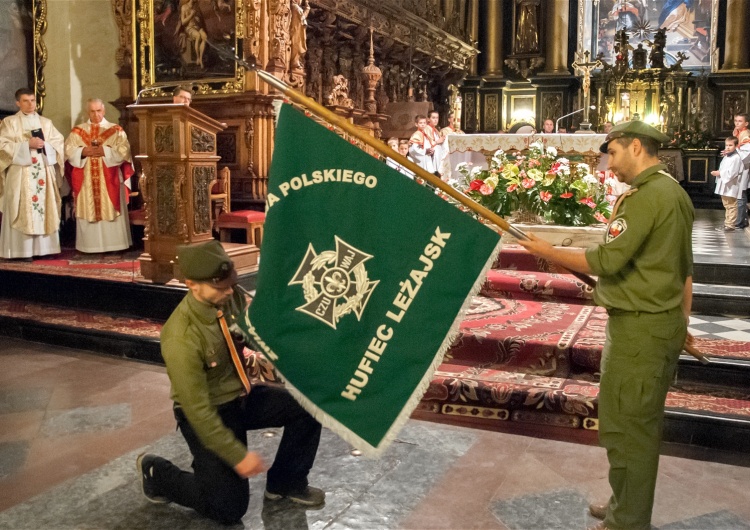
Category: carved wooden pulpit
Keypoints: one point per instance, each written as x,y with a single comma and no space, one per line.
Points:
178,160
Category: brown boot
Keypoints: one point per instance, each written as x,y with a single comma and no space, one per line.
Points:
598,510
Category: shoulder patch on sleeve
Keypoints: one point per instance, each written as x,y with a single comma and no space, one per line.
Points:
617,227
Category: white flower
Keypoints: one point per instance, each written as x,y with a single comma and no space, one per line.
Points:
588,178
564,160
462,167
537,145
499,154
476,170
551,151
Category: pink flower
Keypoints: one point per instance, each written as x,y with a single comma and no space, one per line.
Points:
486,189
555,167
40,182
476,184
588,202
566,195
33,159
511,188
528,183
534,163
545,196
522,174
599,217
35,199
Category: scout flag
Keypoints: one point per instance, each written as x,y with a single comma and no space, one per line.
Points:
363,278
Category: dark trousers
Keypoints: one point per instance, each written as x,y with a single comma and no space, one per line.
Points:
213,489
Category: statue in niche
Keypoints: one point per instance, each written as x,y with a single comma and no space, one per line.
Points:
657,50
527,27
339,95
622,50
298,32
640,57
314,67
669,111
381,97
279,14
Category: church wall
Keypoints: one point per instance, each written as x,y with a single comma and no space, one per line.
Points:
81,40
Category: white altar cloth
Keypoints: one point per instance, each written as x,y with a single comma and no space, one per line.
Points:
474,148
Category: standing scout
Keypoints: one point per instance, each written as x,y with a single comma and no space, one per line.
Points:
215,406
645,268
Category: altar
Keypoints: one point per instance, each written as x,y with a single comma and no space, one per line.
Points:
476,148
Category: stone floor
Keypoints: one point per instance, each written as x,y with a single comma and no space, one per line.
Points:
72,423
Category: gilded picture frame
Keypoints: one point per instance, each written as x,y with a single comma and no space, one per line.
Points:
189,43
23,53
691,28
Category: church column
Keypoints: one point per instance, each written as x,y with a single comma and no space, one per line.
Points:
474,33
557,37
493,35
735,43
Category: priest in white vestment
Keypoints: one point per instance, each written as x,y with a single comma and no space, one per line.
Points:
98,155
30,148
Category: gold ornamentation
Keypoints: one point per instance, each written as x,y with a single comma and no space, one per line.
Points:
123,11
39,14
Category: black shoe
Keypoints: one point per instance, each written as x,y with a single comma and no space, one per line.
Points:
145,466
309,496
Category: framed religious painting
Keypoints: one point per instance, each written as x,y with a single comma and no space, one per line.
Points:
690,27
22,51
189,43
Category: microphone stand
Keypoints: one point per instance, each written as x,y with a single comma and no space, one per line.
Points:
557,123
150,89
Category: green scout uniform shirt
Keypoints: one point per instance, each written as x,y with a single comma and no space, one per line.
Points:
647,254
202,375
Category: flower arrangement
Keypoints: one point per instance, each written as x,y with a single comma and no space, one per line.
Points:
692,139
541,183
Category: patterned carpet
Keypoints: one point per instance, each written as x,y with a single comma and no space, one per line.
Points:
77,318
114,266
528,350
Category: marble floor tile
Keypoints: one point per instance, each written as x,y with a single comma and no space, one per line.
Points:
79,474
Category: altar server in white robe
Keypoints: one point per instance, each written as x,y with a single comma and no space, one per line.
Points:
98,155
421,147
31,159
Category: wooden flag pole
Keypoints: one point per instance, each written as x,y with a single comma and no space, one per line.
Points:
333,118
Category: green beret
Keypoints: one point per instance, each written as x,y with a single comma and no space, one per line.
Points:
634,129
206,262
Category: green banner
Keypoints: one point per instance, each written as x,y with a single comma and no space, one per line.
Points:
363,278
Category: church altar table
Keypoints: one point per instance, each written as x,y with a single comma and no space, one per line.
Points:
475,148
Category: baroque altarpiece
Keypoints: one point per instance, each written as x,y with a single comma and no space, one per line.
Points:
362,58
